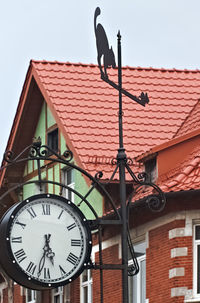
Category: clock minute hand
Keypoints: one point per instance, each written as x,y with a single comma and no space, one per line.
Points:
41,264
49,252
45,249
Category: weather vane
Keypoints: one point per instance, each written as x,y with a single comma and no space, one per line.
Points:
106,52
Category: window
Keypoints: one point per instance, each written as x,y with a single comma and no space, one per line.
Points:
151,170
57,295
40,188
52,140
86,286
30,296
68,179
137,283
197,260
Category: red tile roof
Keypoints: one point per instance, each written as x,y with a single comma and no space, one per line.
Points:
191,123
87,108
185,176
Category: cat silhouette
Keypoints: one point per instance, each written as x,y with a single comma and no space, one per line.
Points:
103,46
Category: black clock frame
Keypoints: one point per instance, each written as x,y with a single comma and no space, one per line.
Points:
12,268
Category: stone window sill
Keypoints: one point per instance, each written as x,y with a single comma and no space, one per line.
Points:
193,300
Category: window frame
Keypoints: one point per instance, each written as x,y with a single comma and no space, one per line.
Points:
141,258
33,295
86,284
50,133
59,293
196,244
65,171
151,169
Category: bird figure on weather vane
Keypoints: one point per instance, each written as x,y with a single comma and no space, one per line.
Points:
107,53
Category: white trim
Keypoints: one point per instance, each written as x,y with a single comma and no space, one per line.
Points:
86,284
196,243
66,182
138,277
179,252
33,295
58,293
178,291
176,272
106,244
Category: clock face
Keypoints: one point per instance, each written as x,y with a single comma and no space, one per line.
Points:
48,240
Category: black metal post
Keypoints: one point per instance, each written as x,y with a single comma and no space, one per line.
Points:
121,158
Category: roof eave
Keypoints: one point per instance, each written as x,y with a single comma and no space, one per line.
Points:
153,151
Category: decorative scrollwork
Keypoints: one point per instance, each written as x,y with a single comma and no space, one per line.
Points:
130,161
8,156
68,155
156,203
33,152
41,151
98,175
143,176
44,152
114,161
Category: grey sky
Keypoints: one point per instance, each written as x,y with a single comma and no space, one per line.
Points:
154,33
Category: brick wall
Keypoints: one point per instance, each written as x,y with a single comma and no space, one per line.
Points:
169,263
111,278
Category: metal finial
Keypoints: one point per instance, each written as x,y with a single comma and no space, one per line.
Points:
119,35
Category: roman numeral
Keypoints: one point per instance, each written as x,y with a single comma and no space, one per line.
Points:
62,271
16,240
47,273
75,242
21,224
31,212
73,225
20,255
46,209
72,258
60,214
31,268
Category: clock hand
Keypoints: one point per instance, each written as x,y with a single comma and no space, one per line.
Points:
41,264
45,250
49,252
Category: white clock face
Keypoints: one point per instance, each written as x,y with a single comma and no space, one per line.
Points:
48,240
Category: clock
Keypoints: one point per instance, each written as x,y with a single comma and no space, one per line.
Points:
45,242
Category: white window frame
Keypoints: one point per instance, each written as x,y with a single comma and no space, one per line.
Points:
57,292
86,284
196,243
65,182
138,277
33,295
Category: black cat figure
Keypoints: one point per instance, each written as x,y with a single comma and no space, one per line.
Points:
103,47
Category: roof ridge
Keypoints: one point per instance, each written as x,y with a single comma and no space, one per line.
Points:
184,121
62,62
150,68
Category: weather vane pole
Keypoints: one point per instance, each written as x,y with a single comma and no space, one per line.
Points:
120,91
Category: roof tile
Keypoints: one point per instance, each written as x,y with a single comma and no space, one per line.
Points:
88,107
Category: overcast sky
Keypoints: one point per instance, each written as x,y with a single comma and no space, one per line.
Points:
154,33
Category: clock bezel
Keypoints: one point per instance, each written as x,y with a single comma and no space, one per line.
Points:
13,269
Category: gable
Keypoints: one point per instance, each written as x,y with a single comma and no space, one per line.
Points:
87,108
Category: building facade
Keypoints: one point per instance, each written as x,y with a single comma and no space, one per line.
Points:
68,107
